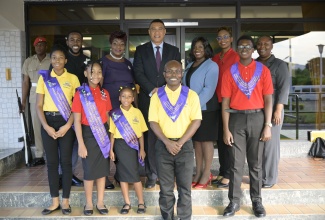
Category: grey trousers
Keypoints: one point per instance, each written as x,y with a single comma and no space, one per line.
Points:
271,155
246,130
169,167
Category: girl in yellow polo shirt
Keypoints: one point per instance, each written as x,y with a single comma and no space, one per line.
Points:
127,147
55,91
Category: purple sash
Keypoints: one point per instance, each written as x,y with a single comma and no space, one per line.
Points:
94,119
246,88
56,93
173,111
125,130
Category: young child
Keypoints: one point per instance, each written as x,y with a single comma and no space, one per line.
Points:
55,91
90,109
127,147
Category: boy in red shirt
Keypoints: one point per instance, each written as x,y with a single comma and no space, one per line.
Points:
246,112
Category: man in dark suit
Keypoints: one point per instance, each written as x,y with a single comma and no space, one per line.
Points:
149,61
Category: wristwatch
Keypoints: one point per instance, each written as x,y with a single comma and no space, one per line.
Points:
268,124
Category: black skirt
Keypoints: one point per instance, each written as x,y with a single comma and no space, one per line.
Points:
208,130
127,162
94,165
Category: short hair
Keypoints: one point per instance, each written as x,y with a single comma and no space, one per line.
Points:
119,35
246,37
208,52
225,29
78,32
172,61
59,47
266,36
155,21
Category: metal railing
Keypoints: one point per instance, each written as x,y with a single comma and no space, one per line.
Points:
297,113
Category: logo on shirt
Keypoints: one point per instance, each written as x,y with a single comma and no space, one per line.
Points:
66,85
135,120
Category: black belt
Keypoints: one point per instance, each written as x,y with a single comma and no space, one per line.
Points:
174,139
250,111
52,113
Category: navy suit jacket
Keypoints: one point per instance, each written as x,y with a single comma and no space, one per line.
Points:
146,73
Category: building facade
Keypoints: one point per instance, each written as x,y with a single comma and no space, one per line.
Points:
295,26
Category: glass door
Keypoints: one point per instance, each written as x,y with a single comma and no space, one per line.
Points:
179,36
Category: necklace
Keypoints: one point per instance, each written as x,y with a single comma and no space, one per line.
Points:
117,58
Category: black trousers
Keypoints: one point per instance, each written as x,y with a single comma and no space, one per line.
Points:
223,151
246,130
53,148
170,167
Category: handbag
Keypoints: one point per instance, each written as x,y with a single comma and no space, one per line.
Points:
317,149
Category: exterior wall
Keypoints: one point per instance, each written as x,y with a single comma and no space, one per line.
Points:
12,55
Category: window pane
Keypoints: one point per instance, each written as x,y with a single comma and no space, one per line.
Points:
72,12
267,9
180,12
95,41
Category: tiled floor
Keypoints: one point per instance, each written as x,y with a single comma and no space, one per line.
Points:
294,173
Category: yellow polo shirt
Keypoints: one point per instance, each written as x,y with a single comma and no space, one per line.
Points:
190,112
68,83
135,119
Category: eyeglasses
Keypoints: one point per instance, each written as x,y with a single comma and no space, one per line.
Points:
170,72
225,37
242,47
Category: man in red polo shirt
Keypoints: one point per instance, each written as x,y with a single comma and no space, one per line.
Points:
246,111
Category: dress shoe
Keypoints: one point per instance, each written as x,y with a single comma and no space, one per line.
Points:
66,211
267,185
76,181
150,184
217,180
88,212
258,209
231,209
48,211
222,185
103,211
125,210
141,210
109,184
204,185
38,161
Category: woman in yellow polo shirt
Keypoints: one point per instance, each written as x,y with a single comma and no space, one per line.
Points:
55,91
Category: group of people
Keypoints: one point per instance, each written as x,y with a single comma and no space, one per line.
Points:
229,98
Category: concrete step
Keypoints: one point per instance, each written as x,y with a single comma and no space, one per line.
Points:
285,212
211,196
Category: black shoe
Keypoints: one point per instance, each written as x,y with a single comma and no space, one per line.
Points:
125,210
66,211
48,211
267,185
108,184
258,209
231,209
141,210
222,185
150,184
103,211
88,212
38,161
76,181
